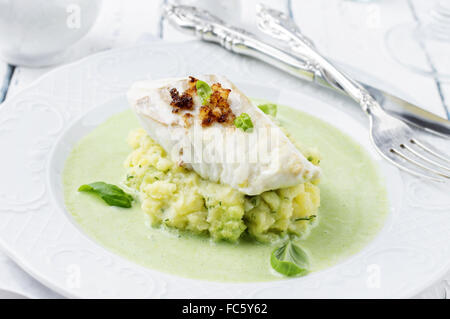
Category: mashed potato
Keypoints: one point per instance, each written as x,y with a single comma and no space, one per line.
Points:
179,198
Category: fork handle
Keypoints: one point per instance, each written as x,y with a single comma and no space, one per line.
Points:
337,78
207,27
276,24
308,64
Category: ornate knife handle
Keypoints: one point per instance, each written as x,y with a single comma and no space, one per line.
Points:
278,25
210,28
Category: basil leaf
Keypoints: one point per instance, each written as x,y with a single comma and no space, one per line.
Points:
244,122
203,91
111,194
269,109
290,260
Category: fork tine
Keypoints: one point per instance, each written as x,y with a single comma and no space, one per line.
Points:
424,158
411,169
406,166
430,150
418,164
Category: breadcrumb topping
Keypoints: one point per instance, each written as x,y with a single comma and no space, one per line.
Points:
184,101
181,102
187,118
217,109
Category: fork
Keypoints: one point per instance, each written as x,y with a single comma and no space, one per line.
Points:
394,139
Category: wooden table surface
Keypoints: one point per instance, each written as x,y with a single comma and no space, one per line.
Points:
347,31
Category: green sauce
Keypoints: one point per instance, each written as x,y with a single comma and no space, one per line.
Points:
353,207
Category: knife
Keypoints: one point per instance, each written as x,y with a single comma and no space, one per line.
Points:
207,27
278,25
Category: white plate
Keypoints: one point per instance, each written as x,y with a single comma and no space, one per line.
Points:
39,126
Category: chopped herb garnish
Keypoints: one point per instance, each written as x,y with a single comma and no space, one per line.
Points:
269,109
254,200
290,260
310,158
129,177
305,218
204,91
244,122
111,194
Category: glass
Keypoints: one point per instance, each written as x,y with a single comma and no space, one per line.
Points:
38,33
424,46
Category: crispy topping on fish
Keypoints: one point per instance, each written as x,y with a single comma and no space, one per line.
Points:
184,101
192,86
181,102
217,109
220,130
187,117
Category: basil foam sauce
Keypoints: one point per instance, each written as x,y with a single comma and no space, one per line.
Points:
353,207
